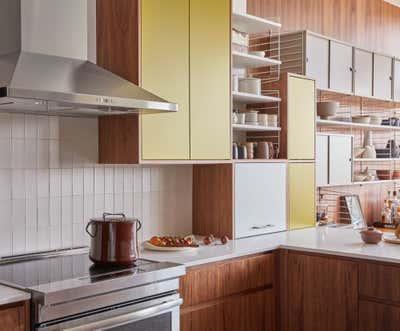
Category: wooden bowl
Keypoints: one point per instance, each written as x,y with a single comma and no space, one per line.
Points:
384,174
362,119
327,109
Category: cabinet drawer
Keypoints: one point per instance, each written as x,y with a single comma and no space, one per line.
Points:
378,317
379,281
213,281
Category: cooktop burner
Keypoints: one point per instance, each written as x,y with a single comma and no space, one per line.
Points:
60,268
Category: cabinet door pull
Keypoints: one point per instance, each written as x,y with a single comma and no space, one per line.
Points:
260,227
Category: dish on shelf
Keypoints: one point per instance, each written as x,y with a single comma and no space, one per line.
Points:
375,120
359,177
384,174
358,152
396,174
361,119
250,85
252,117
258,53
383,153
327,109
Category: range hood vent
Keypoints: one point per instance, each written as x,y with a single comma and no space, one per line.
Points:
37,82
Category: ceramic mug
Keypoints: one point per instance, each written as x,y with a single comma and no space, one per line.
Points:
262,150
273,120
250,150
263,119
241,118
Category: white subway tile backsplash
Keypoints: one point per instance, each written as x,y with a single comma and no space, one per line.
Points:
50,186
5,153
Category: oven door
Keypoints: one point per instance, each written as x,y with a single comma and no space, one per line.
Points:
156,315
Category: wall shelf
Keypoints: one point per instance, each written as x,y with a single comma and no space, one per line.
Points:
253,98
252,24
351,125
372,182
377,160
247,61
254,128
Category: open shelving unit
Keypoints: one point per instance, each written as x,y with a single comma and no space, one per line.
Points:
249,61
367,127
254,128
248,98
253,24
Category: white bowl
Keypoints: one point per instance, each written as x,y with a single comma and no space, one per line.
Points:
362,119
327,109
258,53
250,85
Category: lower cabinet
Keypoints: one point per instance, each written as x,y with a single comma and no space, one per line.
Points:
15,317
235,295
375,316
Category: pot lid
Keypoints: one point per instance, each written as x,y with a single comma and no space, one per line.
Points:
117,217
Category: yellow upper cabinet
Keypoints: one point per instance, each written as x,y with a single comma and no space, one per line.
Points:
301,118
301,195
210,128
165,72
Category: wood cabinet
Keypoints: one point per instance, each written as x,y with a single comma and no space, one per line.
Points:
260,198
165,72
317,60
179,58
301,197
363,72
15,317
341,67
210,91
382,76
318,293
375,316
298,117
230,295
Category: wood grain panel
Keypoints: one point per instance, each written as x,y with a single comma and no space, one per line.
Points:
15,317
318,300
213,199
119,139
118,51
378,317
379,281
371,24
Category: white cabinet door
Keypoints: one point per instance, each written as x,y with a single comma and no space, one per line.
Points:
341,67
363,62
260,198
340,159
382,76
396,80
321,159
317,60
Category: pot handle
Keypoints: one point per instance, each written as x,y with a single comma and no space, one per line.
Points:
87,229
105,215
139,226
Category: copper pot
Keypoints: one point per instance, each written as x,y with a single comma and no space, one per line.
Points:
113,239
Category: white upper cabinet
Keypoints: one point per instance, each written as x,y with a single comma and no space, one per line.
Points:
382,76
363,72
341,67
340,159
396,80
317,60
321,159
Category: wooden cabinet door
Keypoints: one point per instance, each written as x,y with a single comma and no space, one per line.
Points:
260,198
340,159
301,118
341,67
382,76
321,159
14,317
165,72
320,293
301,195
210,95
254,311
374,316
396,80
363,73
317,60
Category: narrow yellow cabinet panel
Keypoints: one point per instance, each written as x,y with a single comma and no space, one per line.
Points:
210,58
165,72
301,118
301,195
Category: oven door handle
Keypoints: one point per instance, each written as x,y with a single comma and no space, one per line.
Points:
128,318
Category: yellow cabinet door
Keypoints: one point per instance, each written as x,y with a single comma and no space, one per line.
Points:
301,118
210,94
165,72
301,195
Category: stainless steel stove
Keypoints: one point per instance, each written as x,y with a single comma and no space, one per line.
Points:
70,293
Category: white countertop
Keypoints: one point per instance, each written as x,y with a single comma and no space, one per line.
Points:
342,241
10,295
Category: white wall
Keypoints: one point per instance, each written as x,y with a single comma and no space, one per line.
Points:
50,186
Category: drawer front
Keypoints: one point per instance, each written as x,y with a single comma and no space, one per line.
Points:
378,317
209,282
379,281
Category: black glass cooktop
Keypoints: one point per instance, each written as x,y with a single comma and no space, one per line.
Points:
60,268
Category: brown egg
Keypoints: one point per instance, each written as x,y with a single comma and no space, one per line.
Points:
224,240
207,240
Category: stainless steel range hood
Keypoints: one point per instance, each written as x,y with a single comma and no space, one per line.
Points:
36,82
